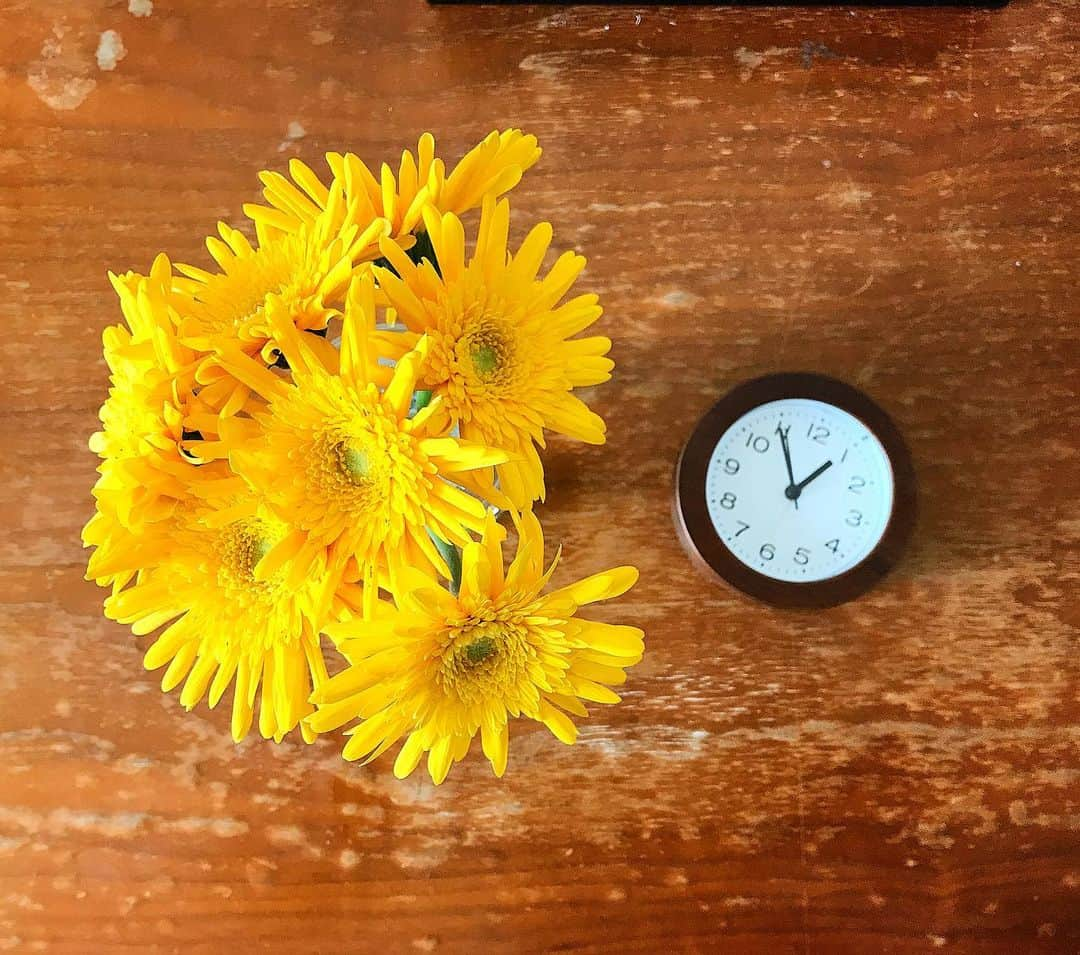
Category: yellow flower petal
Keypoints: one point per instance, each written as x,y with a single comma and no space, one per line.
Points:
367,737
619,641
561,726
495,741
440,758
603,586
409,756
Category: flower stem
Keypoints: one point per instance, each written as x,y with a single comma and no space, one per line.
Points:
452,555
420,400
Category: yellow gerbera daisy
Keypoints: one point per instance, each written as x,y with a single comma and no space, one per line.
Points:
146,470
500,351
493,166
309,268
439,668
225,627
360,481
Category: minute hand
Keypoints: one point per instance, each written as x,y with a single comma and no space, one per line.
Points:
816,474
789,492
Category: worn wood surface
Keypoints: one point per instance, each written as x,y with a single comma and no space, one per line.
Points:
886,196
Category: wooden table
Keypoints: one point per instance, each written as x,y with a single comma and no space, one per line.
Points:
886,196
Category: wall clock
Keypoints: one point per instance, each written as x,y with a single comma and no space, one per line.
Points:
797,489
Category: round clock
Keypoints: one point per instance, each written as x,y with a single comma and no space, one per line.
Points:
796,489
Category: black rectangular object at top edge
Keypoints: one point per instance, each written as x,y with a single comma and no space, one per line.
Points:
811,4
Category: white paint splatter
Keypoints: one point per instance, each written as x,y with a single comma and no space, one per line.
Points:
140,8
750,60
649,206
424,853
220,826
846,195
292,836
110,825
58,76
554,65
679,298
549,66
555,21
286,835
294,131
739,902
110,50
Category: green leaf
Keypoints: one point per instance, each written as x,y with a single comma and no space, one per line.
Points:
423,250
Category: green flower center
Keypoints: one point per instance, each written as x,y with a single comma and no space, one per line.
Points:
485,661
485,360
479,650
357,464
242,545
262,547
487,351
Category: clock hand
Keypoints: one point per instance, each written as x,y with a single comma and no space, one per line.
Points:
821,470
783,432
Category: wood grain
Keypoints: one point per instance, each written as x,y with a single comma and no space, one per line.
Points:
888,197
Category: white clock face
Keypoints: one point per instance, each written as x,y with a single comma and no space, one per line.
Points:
807,515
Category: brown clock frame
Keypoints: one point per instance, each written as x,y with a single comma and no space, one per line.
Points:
707,549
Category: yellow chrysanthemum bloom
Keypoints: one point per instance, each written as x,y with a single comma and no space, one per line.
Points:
145,470
492,167
225,627
500,352
439,668
363,485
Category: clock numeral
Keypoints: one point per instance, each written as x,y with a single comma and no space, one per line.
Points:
854,518
802,556
818,433
731,466
857,484
843,457
758,442
727,502
833,545
744,527
767,552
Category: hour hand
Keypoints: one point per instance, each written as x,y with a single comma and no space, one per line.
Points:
816,474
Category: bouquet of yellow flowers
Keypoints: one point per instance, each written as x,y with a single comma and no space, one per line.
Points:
317,439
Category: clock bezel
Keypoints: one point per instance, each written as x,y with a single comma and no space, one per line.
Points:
706,548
